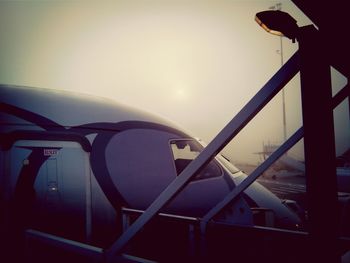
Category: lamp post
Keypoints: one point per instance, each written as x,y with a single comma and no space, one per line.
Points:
278,7
318,124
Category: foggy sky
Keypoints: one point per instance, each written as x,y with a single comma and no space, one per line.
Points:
194,62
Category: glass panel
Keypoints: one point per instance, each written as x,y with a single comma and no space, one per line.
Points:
184,151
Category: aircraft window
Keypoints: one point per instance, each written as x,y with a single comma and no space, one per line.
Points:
184,151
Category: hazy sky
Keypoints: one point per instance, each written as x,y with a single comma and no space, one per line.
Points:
194,62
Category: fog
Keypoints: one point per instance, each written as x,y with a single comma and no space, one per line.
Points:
196,63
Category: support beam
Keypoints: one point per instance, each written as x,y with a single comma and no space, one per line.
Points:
319,146
348,89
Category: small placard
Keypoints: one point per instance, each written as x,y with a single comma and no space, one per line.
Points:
50,152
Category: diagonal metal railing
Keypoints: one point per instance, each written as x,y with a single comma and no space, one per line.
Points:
338,98
252,177
264,95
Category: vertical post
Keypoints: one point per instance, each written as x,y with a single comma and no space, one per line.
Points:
88,198
279,7
348,88
283,97
319,146
125,220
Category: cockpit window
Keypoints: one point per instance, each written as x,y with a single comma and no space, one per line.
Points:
184,151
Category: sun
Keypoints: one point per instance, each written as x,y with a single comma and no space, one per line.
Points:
181,92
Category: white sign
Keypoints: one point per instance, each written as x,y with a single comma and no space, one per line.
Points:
50,152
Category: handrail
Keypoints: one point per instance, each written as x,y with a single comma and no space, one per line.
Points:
188,219
91,253
66,244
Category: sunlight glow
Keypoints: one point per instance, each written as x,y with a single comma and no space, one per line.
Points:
181,92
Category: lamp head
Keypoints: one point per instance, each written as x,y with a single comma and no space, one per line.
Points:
278,23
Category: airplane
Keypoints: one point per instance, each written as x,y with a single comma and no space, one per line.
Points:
289,167
70,162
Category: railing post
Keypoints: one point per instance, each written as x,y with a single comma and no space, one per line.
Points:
125,220
319,146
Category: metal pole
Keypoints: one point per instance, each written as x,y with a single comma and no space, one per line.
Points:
319,146
278,6
283,98
348,89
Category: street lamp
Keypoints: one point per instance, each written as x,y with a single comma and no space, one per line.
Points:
281,24
318,126
278,6
278,23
